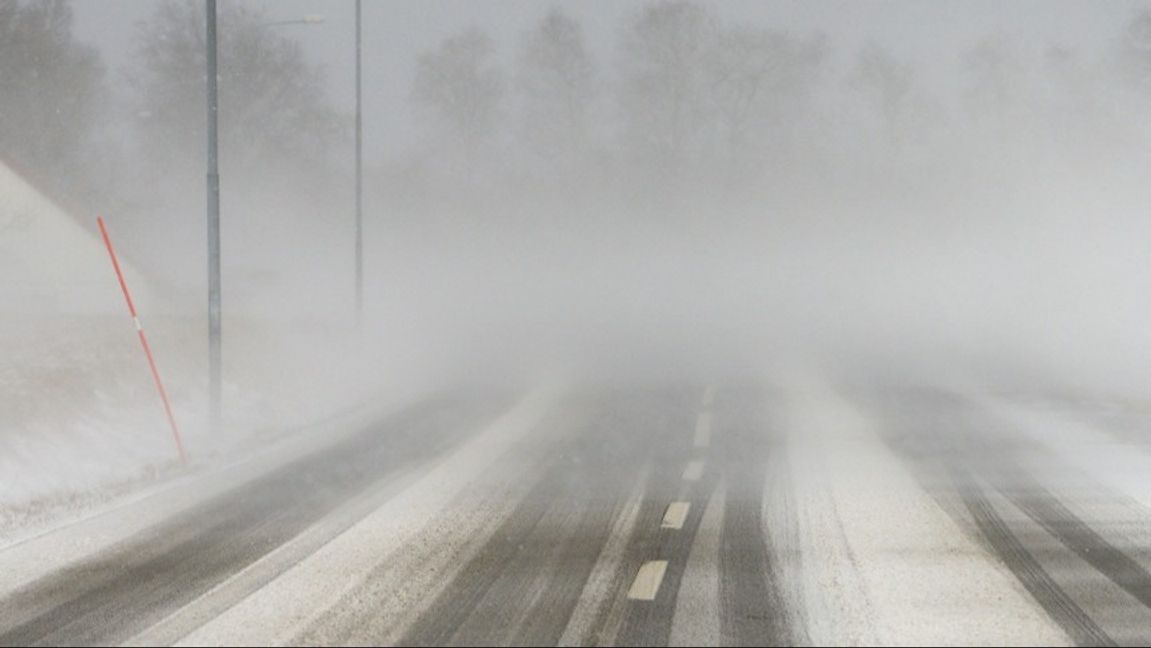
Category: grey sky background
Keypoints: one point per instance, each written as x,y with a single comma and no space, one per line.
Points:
929,33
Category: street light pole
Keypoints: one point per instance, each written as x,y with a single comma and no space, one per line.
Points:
359,178
215,355
215,345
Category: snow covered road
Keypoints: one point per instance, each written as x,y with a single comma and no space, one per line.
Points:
682,515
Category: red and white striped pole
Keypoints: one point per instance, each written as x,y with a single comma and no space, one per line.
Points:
144,342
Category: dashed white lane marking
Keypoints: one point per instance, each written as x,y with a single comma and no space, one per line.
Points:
709,396
703,430
647,581
675,515
694,471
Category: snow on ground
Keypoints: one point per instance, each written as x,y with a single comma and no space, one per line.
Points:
882,562
49,263
1067,432
282,609
89,530
81,422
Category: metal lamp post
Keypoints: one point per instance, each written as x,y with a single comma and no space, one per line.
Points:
215,351
215,345
359,178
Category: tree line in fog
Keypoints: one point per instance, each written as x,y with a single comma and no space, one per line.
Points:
686,102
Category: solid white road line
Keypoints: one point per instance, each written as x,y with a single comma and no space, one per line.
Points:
694,471
675,515
709,397
703,430
647,581
696,619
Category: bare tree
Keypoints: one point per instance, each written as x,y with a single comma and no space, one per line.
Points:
753,75
51,93
1135,51
556,83
996,96
273,104
664,93
461,89
888,83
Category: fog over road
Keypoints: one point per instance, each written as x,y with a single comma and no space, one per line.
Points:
676,514
644,322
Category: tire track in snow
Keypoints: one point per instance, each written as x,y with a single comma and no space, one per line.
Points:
1058,605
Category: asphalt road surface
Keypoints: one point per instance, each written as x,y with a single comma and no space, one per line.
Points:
684,515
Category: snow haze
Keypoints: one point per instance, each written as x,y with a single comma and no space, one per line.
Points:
950,192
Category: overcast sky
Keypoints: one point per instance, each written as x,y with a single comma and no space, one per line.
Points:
930,33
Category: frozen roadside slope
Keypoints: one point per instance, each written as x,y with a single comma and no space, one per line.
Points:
81,424
882,563
49,264
70,383
23,561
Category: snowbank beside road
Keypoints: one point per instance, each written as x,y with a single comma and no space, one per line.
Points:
80,418
49,264
69,379
81,422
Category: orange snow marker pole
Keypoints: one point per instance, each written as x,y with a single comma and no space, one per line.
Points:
144,342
